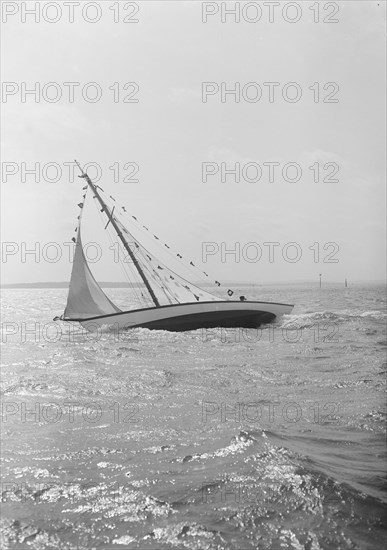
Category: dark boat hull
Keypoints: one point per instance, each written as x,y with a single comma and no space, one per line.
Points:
191,316
227,319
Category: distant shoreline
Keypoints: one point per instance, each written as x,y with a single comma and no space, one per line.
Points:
229,283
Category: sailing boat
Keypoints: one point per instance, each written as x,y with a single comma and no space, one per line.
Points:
171,301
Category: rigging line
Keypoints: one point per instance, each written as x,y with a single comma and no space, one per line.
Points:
164,286
161,284
106,210
110,238
119,233
172,271
154,275
134,280
196,274
108,234
144,265
185,280
130,273
179,276
136,284
149,232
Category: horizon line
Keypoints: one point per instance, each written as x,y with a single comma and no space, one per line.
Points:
123,284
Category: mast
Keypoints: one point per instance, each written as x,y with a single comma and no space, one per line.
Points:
120,235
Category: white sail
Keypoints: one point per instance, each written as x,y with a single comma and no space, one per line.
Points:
175,303
85,298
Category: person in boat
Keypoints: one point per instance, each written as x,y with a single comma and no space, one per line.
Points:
242,298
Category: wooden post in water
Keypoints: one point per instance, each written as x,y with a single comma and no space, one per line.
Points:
320,279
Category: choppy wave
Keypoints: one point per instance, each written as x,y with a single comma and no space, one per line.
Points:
224,440
305,320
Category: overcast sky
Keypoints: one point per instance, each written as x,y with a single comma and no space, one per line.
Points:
170,132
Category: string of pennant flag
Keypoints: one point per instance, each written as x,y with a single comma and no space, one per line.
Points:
229,291
80,204
178,255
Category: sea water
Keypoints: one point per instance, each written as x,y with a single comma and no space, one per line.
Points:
210,439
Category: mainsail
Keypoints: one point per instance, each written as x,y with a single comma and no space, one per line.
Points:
86,298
